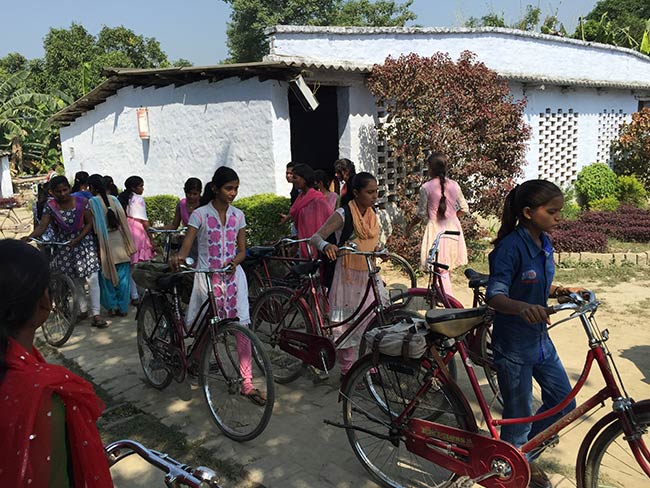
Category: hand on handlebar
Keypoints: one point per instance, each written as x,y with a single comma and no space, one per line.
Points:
331,251
534,314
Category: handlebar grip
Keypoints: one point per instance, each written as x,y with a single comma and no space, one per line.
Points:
452,232
440,265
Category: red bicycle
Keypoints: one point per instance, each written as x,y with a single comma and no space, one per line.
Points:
410,425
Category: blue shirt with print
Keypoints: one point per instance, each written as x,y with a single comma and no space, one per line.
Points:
521,270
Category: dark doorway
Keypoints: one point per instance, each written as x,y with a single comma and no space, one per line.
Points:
315,135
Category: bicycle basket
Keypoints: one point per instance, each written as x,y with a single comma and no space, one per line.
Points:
146,274
407,338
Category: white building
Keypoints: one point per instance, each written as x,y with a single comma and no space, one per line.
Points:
246,116
6,187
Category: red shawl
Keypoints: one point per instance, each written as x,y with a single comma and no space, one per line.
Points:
309,212
25,418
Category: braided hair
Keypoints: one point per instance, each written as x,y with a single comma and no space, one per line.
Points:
98,184
438,162
130,183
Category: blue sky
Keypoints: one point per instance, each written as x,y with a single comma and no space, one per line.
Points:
196,29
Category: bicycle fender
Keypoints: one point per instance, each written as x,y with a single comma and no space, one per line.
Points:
596,429
467,453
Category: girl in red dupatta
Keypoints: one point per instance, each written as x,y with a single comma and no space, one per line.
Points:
310,210
47,414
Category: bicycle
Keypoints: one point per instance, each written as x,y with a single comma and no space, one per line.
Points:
212,353
10,224
60,324
177,474
293,323
429,436
168,234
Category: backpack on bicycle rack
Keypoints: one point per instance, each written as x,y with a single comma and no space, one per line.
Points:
407,338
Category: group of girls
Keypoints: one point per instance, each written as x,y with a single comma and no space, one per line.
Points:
105,235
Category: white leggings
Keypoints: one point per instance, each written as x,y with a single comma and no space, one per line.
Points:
93,291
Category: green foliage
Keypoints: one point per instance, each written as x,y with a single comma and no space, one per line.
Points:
631,191
262,215
631,152
606,204
529,21
161,208
618,22
571,209
248,19
595,182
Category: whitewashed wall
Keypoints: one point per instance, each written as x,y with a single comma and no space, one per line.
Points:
194,129
6,187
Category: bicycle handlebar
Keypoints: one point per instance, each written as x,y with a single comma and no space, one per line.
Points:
176,473
190,262
353,250
287,241
431,259
48,243
580,303
153,230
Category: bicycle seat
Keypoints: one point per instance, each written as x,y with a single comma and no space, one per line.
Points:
475,278
260,251
454,322
305,268
168,281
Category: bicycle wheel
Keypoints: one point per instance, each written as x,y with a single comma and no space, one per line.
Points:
153,336
255,285
397,275
226,362
372,397
10,226
58,328
274,310
610,462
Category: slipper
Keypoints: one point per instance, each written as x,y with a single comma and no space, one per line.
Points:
99,323
256,397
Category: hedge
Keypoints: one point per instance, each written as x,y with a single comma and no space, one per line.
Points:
262,215
161,209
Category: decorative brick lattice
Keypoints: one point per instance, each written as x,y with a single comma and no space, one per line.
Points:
558,146
609,124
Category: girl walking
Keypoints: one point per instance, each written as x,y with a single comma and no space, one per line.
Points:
220,230
441,204
136,212
356,222
115,245
521,281
71,221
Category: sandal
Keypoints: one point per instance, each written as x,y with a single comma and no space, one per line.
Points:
99,323
256,397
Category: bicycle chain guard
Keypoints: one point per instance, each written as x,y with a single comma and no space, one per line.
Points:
313,349
468,454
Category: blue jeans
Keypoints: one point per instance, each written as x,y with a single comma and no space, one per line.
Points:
516,384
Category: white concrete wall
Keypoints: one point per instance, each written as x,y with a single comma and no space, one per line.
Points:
6,187
502,50
194,129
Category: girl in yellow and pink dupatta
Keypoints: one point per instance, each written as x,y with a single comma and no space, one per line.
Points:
310,210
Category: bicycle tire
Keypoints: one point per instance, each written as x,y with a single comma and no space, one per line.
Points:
12,231
486,352
255,285
276,309
394,316
392,379
59,326
610,462
221,380
397,276
156,372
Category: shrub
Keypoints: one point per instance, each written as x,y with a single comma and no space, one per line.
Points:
262,215
594,182
631,191
607,204
627,223
161,209
631,153
576,239
571,209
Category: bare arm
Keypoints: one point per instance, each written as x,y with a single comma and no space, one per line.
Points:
533,314
241,248
331,225
175,223
88,225
40,229
185,248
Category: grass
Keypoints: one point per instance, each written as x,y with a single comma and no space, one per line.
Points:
122,420
614,245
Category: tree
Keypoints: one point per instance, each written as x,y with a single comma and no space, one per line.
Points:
618,22
529,21
249,18
12,63
461,108
631,153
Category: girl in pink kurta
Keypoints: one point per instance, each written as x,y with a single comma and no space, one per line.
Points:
136,213
441,203
220,230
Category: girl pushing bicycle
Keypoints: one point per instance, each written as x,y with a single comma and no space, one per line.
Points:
521,281
220,230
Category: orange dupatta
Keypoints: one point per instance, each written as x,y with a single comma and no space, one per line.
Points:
366,231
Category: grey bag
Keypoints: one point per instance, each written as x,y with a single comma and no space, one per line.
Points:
407,338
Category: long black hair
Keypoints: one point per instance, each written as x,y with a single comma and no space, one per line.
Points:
437,163
306,173
320,176
111,189
129,184
345,164
24,278
222,176
96,183
531,194
358,183
193,184
80,178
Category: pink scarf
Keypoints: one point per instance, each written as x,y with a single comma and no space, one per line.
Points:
77,225
309,212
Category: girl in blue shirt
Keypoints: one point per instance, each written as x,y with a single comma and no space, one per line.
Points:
521,281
